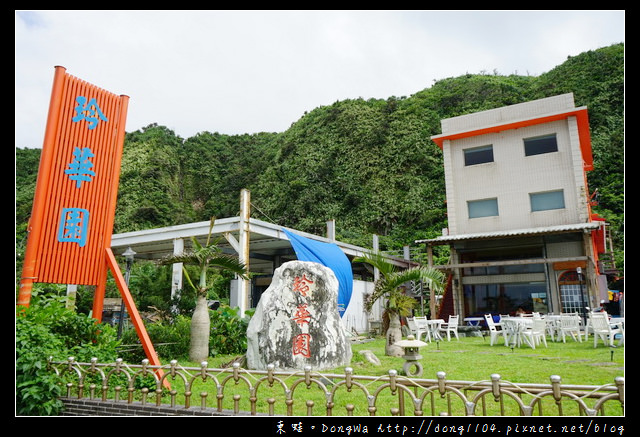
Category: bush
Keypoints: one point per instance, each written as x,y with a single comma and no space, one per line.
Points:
48,329
170,340
37,388
228,332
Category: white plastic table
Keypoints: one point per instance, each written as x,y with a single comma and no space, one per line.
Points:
434,326
473,321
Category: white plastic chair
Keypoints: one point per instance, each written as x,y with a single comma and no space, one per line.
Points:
511,329
494,332
618,322
413,328
451,326
423,327
411,325
552,322
516,330
569,324
602,329
536,334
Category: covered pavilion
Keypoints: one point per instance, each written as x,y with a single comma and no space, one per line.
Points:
262,246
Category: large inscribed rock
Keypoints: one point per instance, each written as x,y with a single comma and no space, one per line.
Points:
296,323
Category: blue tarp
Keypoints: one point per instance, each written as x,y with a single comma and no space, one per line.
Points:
331,256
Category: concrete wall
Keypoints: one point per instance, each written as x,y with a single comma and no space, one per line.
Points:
355,317
93,407
512,176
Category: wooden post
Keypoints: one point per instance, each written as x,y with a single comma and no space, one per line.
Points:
244,237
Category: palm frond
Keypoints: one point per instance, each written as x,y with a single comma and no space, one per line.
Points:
378,261
197,255
229,263
432,277
379,290
211,223
188,278
391,279
404,304
205,257
196,245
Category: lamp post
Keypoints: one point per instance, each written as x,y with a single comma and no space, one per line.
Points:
579,272
128,256
582,295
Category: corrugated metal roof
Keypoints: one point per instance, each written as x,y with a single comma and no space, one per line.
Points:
515,232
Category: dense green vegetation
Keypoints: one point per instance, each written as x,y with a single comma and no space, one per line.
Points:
48,329
368,164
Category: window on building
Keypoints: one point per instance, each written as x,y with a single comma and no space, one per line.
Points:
483,208
572,292
540,145
478,155
505,298
546,200
493,257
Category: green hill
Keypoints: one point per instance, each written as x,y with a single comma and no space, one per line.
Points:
368,164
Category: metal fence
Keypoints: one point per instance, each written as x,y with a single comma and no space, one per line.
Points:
235,390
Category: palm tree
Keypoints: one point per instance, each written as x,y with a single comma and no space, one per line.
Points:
397,303
204,257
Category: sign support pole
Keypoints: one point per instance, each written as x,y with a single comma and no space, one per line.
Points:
147,345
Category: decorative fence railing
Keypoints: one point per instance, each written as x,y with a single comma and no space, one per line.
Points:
235,391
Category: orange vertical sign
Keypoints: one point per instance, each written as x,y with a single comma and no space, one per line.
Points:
74,204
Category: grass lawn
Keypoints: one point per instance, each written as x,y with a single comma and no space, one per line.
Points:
469,359
474,359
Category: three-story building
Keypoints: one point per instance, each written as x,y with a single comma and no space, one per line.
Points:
520,226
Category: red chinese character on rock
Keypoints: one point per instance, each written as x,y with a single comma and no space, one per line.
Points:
301,345
301,284
302,315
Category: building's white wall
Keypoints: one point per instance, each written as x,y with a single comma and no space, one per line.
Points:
577,165
450,191
512,176
355,316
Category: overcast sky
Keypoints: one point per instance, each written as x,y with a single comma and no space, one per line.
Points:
236,72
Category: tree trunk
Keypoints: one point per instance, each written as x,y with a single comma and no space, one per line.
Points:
200,327
394,335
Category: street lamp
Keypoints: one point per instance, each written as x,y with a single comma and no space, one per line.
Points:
128,256
583,298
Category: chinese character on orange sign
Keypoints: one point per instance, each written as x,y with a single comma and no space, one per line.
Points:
73,226
301,284
74,222
302,315
89,111
80,167
301,345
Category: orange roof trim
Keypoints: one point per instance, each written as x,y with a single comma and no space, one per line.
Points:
583,131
